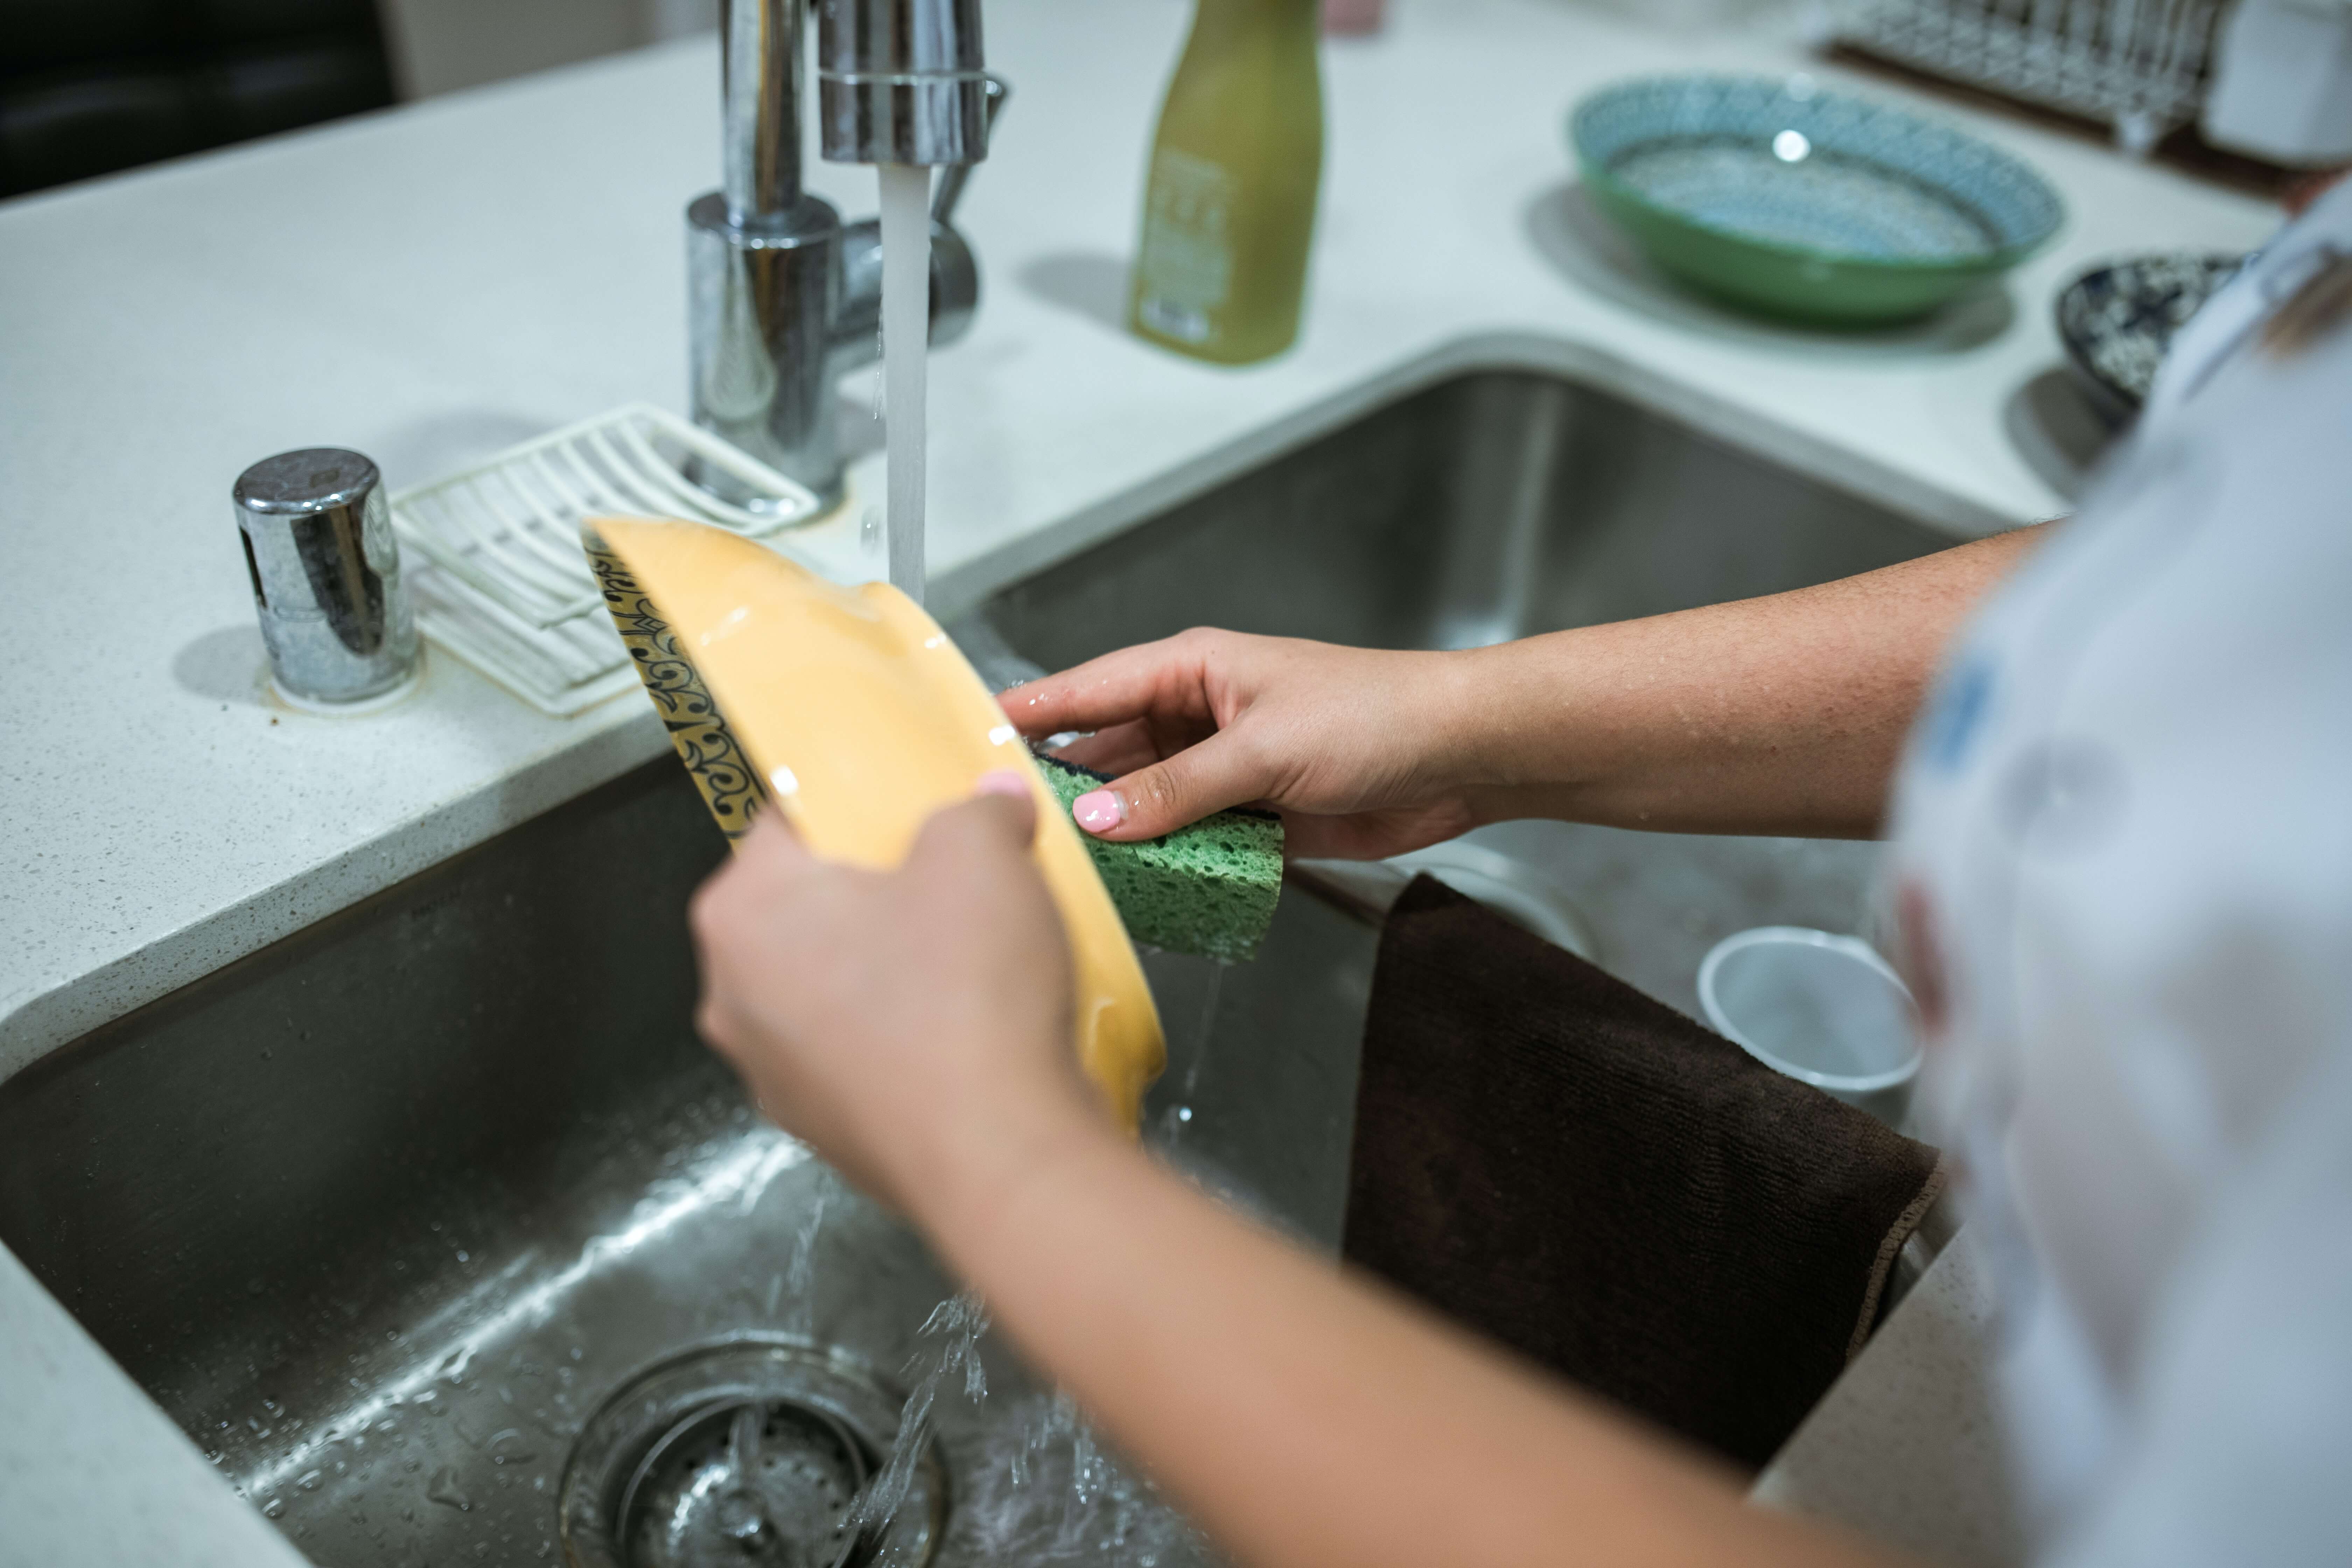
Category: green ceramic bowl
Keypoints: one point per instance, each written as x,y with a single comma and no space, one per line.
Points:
1785,197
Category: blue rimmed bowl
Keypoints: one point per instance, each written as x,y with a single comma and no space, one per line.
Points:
1786,197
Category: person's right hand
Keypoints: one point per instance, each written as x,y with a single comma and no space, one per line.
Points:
914,1024
1348,744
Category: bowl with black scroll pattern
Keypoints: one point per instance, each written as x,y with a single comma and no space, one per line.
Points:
2117,319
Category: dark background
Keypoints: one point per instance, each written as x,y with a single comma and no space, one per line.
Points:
88,87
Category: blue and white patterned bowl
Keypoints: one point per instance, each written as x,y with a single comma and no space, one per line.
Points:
2116,322
1784,195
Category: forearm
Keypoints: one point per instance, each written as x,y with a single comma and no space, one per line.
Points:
1783,714
1307,1418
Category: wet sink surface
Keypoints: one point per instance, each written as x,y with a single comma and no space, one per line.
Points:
383,1215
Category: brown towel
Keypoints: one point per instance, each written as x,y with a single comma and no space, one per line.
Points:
1549,1155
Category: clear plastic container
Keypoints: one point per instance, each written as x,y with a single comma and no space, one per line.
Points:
1823,1008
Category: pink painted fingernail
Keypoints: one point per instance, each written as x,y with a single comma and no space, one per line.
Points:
1098,811
1002,781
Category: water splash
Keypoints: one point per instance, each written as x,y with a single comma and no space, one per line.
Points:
781,1156
1044,1489
948,1343
493,1308
799,1275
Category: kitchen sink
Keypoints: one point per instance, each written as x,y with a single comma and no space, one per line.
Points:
433,1224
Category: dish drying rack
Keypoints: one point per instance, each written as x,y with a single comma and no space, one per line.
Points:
2138,65
503,584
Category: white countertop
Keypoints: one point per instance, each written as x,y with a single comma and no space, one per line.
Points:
430,284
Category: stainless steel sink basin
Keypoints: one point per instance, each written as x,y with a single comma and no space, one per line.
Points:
1494,506
384,1215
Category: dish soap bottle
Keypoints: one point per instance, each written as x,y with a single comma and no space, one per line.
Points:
1230,205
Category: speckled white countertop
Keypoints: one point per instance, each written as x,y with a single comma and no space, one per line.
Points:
432,283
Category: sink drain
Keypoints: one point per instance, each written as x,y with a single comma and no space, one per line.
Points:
746,1453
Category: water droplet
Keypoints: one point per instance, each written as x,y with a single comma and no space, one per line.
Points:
273,1508
443,1490
511,1447
311,1479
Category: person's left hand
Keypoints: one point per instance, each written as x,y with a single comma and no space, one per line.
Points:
915,1026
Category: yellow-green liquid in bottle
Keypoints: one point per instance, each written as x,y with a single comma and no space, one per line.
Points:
1229,210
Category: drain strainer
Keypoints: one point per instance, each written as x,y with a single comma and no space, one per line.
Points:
746,1453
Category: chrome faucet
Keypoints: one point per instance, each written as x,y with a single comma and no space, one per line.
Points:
783,297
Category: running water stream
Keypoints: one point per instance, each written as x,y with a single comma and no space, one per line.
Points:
1177,1119
948,1343
1046,1491
799,1277
905,342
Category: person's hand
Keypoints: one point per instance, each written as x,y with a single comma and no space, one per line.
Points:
914,1027
1348,744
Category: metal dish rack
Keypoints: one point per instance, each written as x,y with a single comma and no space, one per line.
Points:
2138,65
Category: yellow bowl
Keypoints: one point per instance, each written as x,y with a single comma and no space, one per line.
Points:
850,711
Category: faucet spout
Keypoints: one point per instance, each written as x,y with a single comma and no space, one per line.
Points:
760,71
783,298
901,81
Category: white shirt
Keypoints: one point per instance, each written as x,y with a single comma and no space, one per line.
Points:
2124,845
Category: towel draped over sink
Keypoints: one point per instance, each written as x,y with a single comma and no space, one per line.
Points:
1546,1154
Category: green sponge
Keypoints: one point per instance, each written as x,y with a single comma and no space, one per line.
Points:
1208,889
